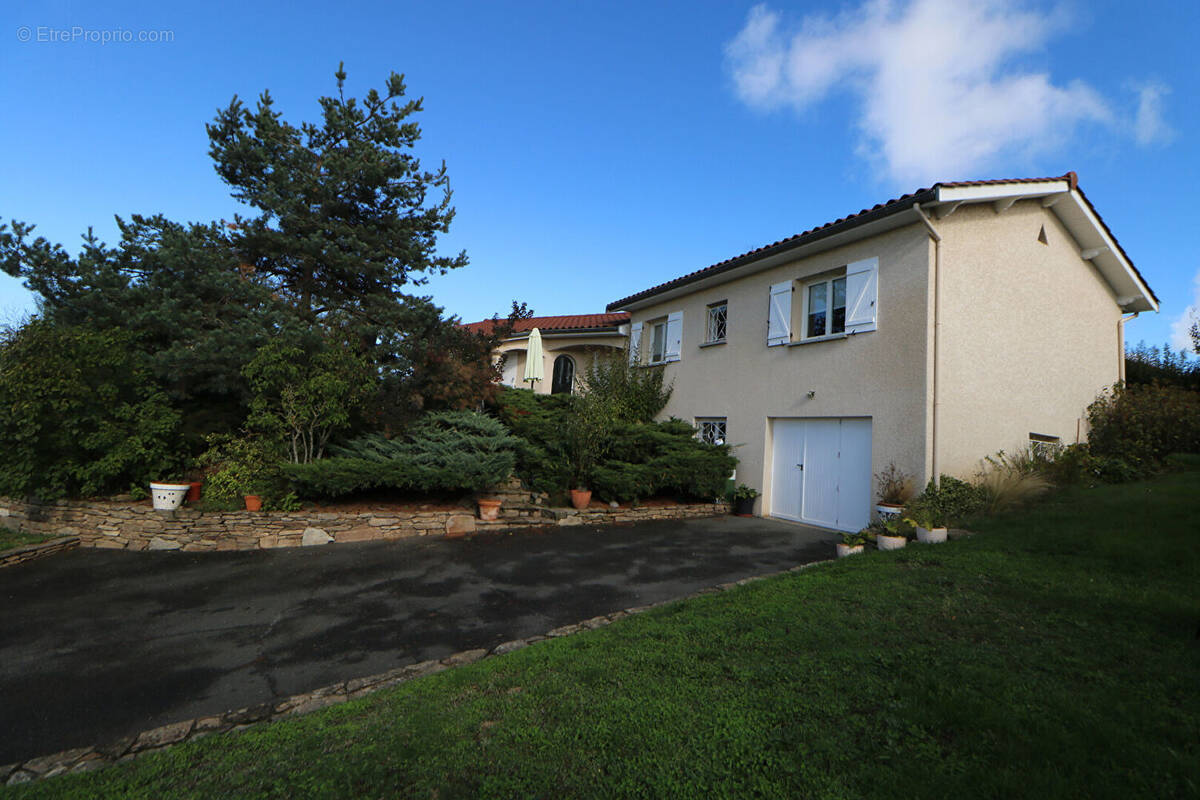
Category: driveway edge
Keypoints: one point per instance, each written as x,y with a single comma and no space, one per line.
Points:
85,759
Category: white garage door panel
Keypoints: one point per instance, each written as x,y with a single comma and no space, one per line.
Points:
788,440
854,484
834,487
821,472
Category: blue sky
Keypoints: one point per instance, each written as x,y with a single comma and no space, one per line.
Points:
598,148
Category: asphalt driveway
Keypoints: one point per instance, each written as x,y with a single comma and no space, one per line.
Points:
98,644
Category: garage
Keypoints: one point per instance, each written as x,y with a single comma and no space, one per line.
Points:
821,472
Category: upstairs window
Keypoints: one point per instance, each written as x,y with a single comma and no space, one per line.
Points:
718,316
658,342
825,308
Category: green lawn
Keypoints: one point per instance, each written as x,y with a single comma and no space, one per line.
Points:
1053,655
10,538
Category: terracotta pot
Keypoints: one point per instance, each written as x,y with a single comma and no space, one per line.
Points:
253,502
580,498
489,509
193,491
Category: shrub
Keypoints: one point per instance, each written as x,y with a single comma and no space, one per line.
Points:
540,422
632,393
242,464
445,451
945,503
80,414
645,460
895,486
1138,426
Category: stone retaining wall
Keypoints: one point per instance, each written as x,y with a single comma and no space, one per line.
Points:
19,555
137,526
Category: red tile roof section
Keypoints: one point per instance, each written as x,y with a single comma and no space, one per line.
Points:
570,322
865,215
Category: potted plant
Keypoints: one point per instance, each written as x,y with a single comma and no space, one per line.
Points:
743,500
588,437
489,508
253,502
168,495
853,543
895,489
930,523
894,534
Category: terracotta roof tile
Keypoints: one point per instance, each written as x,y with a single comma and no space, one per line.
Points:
569,322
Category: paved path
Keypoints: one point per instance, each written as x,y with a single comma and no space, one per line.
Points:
97,644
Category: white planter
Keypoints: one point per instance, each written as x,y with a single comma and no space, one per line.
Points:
844,550
931,535
890,542
888,510
168,496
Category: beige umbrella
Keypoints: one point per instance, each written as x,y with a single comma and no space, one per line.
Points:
533,357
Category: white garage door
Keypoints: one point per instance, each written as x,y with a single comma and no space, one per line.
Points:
821,472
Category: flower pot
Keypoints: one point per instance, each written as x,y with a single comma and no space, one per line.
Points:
888,509
890,542
844,550
168,496
193,494
931,535
744,507
489,509
580,498
253,502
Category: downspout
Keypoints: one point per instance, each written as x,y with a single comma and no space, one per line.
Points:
1121,344
937,331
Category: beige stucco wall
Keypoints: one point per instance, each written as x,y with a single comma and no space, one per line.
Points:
1028,337
583,349
880,374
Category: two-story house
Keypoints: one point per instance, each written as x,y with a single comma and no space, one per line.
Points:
929,331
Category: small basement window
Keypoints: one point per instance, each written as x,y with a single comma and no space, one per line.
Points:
1044,445
711,430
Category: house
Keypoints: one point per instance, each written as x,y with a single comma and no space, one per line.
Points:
929,331
570,344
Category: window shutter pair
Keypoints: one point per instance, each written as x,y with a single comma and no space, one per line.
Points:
862,303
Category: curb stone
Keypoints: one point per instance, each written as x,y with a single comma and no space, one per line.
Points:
84,759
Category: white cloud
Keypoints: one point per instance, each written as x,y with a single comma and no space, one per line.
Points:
1149,127
941,95
1181,338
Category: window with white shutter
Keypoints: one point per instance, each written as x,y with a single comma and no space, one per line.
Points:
674,345
779,316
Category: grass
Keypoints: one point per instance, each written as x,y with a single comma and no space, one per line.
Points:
10,538
1052,655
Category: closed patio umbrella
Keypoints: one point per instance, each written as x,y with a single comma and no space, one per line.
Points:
533,357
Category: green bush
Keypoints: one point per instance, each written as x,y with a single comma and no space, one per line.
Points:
661,458
446,451
633,393
945,502
542,424
242,464
80,414
1136,427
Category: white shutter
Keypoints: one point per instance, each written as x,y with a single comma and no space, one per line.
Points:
779,318
635,343
862,295
674,336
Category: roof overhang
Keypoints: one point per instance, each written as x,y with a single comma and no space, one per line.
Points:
1063,197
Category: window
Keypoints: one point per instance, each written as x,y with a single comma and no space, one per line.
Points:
1043,445
564,375
825,308
718,315
711,430
658,342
